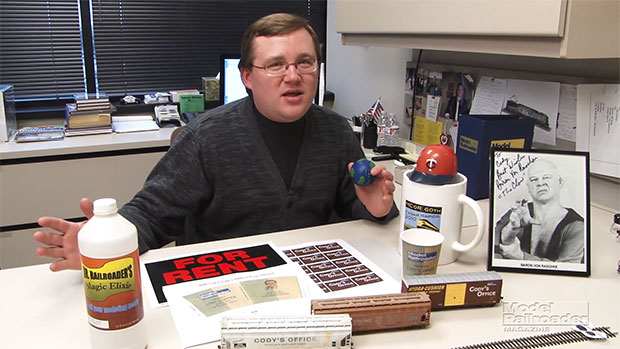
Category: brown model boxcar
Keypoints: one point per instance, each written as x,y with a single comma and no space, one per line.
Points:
383,312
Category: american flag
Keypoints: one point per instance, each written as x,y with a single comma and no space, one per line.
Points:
376,111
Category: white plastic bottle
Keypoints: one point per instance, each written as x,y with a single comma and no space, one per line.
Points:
381,130
391,131
111,271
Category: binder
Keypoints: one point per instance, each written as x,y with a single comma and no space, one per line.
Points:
477,134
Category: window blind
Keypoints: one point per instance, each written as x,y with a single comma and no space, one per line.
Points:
50,50
41,49
148,46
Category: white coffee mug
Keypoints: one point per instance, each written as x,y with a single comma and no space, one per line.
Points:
440,208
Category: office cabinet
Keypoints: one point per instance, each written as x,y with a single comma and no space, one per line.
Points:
550,28
53,188
18,249
49,178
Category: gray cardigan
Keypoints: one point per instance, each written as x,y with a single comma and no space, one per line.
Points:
220,175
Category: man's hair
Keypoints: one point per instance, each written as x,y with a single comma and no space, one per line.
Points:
274,25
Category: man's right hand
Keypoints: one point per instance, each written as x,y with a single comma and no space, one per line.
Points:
64,244
520,215
519,218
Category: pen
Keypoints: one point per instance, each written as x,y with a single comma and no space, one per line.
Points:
382,157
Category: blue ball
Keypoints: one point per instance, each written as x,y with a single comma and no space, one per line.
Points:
360,172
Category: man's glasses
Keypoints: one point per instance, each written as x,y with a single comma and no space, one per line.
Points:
304,66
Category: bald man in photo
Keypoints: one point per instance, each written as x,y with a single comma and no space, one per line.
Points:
543,229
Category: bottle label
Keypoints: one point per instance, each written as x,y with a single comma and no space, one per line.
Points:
113,291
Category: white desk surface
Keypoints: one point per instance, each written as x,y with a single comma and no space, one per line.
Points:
41,309
92,143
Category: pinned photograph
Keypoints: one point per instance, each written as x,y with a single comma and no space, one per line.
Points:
459,92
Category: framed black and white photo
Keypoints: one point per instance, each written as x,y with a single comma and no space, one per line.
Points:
539,212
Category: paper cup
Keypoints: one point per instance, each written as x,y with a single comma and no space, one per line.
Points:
420,251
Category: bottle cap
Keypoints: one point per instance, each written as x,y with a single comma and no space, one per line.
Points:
105,206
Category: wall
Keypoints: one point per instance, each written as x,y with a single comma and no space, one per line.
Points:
358,75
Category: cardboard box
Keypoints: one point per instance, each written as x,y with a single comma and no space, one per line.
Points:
477,134
175,95
211,87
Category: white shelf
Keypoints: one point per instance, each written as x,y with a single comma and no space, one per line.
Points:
87,144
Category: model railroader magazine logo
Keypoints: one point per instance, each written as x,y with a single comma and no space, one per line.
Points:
540,316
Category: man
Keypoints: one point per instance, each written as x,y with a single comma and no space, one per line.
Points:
542,229
435,88
451,112
272,161
271,285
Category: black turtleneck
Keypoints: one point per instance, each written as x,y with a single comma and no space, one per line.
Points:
284,143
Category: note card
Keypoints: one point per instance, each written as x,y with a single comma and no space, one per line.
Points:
598,127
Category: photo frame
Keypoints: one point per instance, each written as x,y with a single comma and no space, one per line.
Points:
539,216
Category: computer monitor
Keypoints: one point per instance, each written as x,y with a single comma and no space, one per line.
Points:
231,86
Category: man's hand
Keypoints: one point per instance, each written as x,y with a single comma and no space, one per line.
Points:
65,244
520,215
512,251
519,218
378,197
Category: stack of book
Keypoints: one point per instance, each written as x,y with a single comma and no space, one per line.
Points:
40,133
90,114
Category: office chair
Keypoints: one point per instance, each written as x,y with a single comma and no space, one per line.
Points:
175,133
189,224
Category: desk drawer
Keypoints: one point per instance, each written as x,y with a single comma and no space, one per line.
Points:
54,188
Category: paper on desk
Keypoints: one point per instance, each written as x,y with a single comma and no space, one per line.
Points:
197,307
134,123
186,268
598,126
333,268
